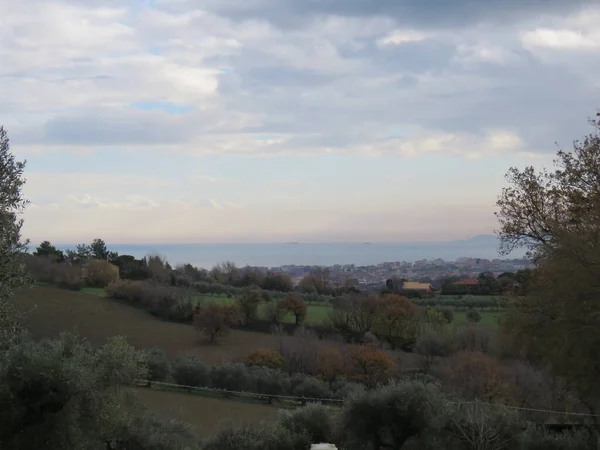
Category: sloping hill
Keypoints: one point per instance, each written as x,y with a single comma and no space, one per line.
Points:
50,311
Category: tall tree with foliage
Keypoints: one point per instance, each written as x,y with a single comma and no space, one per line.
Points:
556,216
99,250
47,250
12,246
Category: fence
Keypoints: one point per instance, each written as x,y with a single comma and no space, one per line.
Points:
339,402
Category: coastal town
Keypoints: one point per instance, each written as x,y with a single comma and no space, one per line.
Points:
424,271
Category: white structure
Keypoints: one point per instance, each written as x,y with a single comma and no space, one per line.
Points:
323,447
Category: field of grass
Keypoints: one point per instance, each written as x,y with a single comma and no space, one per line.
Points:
206,414
49,311
315,313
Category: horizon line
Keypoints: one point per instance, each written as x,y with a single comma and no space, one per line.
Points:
289,242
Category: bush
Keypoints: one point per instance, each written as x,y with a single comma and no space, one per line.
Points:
258,438
100,273
538,438
396,413
190,371
369,364
433,345
231,377
266,357
476,339
312,388
314,420
447,313
473,316
159,367
478,426
63,274
269,381
166,302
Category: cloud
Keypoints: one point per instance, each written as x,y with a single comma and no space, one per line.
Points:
218,84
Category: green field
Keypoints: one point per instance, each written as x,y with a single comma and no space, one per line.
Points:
316,313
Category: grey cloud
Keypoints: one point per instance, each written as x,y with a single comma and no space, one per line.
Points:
416,13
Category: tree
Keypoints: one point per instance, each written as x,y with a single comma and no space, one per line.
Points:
389,416
330,364
555,215
481,427
190,371
215,321
273,313
159,367
158,269
319,277
277,281
265,357
12,248
47,250
473,316
248,303
395,321
369,364
98,249
62,393
100,273
295,306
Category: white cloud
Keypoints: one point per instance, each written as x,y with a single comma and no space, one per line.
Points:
561,39
446,144
400,37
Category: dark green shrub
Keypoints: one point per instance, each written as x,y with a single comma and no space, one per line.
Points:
447,313
314,420
190,371
159,367
231,377
473,316
271,382
312,388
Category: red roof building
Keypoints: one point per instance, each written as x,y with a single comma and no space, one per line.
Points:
467,282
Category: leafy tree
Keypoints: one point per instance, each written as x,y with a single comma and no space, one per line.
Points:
369,364
555,215
266,357
395,320
215,321
248,303
61,393
330,364
81,254
12,247
47,250
159,367
273,313
294,305
389,416
315,420
99,250
277,281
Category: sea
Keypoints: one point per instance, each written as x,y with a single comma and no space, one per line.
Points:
313,254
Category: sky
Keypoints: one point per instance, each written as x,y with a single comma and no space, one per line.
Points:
173,121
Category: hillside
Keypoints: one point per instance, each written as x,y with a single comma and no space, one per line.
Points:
50,311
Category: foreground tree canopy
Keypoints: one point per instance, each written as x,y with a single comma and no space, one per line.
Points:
556,215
